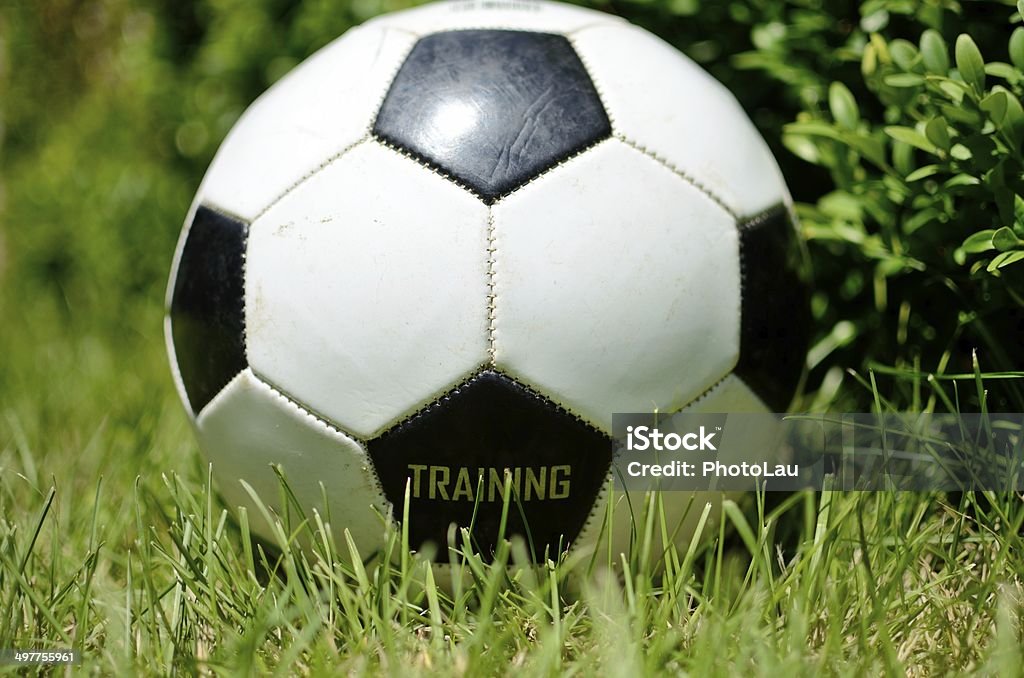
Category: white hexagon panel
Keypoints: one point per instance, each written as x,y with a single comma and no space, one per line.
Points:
617,285
300,123
664,103
366,289
254,427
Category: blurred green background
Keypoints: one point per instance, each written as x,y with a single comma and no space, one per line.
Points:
112,109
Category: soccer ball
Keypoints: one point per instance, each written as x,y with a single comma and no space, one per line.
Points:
431,262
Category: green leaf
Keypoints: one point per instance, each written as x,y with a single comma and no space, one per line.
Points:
978,242
684,7
904,80
902,162
769,35
937,132
802,147
921,219
995,105
969,62
1020,8
837,232
1003,70
882,48
869,147
1017,48
874,22
954,90
910,136
903,53
922,173
890,267
934,52
843,106
842,205
961,152
1013,121
1005,239
961,179
815,128
1005,259
869,62
960,114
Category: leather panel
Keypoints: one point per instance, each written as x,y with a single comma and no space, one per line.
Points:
207,315
776,325
617,286
249,426
492,109
312,114
665,103
453,456
367,289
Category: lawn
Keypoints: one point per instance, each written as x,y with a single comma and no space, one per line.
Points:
899,127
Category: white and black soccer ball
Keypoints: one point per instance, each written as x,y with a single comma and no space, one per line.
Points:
454,242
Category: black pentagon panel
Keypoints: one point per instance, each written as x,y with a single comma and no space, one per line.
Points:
776,323
492,108
454,455
207,308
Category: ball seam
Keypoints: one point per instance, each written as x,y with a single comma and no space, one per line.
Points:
323,422
685,176
492,296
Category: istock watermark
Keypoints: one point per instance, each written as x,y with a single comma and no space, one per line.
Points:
848,451
642,438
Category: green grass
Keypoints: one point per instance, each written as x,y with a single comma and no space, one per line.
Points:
908,178
111,542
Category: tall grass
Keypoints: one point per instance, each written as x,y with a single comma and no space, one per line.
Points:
901,144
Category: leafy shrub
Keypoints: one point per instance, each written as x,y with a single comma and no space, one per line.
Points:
927,208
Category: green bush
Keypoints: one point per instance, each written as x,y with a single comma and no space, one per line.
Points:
920,235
